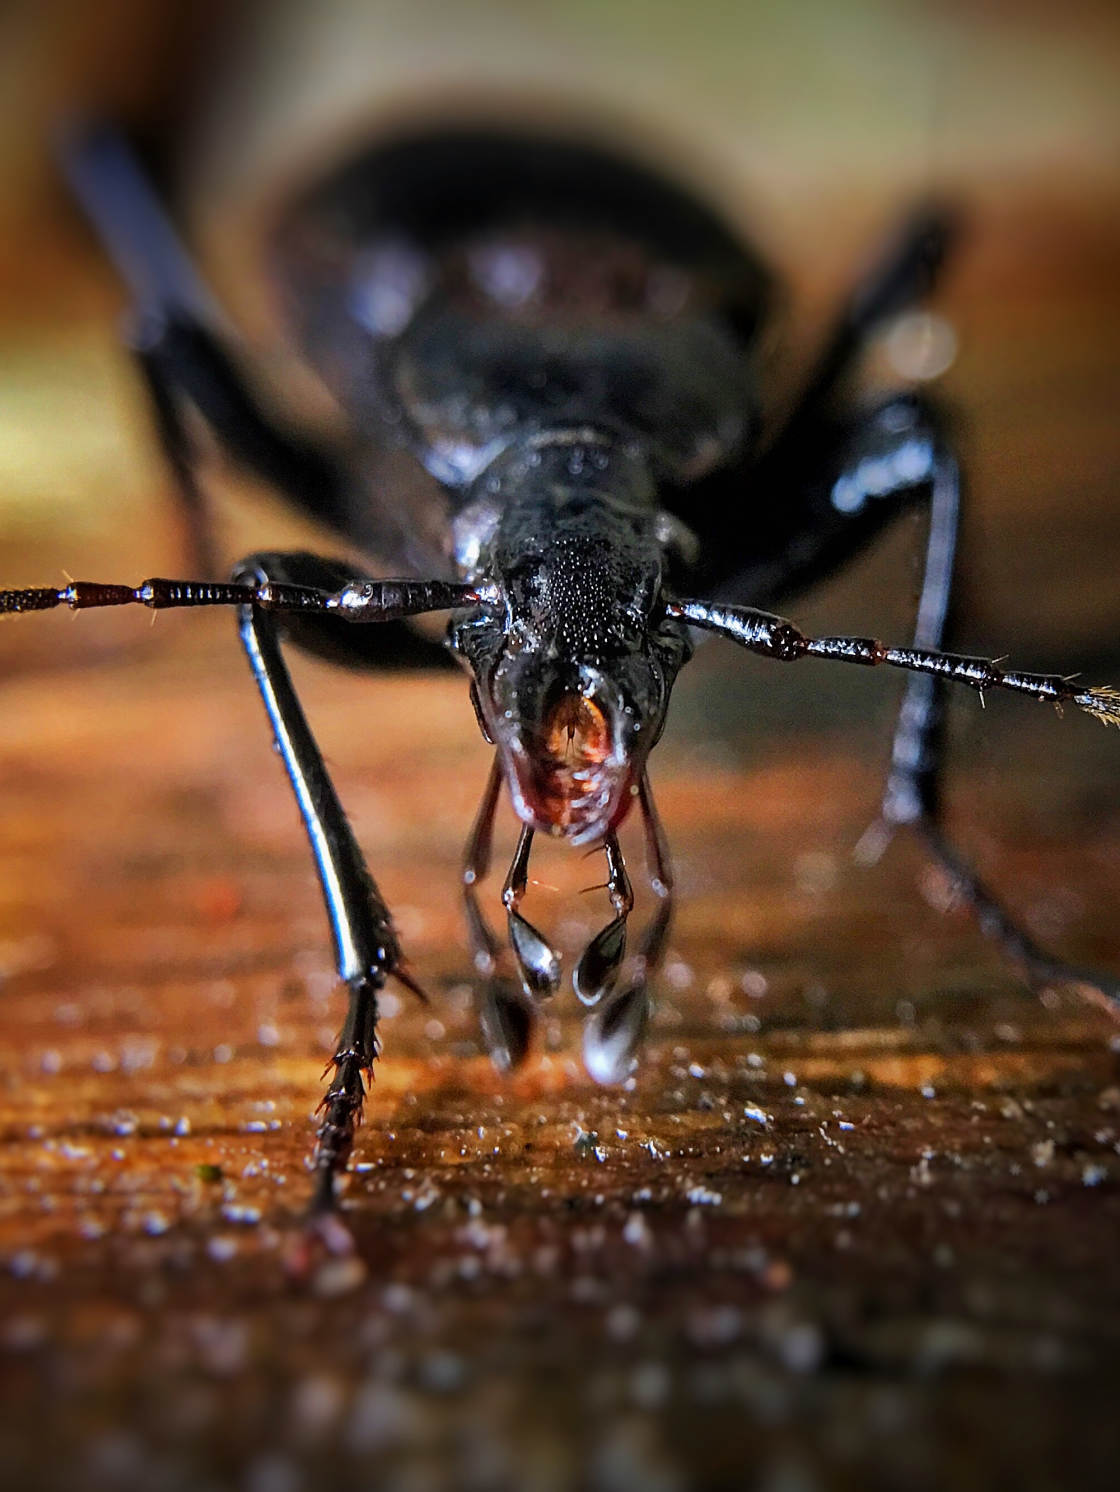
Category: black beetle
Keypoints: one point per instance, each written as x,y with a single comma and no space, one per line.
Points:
565,347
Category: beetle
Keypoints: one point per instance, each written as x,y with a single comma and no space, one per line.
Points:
564,348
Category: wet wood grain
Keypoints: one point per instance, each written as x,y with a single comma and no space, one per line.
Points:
861,1184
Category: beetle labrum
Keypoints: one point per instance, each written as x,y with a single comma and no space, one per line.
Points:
565,346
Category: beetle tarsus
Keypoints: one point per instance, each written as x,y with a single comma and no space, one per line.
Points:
341,1109
341,1106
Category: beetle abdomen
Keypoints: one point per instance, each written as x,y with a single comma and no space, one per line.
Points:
464,285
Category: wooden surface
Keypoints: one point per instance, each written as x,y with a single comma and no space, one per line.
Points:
855,1223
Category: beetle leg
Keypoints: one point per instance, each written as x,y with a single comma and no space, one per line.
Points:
774,637
613,1031
913,790
794,528
537,961
904,273
365,943
184,361
871,468
300,596
504,1015
822,498
595,974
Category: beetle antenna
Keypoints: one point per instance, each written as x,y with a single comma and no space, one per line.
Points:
361,601
1102,703
775,637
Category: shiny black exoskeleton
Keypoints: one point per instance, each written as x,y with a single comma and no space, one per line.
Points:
548,361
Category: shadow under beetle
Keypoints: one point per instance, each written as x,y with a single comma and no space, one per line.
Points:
563,346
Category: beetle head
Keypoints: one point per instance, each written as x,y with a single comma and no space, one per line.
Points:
573,738
573,664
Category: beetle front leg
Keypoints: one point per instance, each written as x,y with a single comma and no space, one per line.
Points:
365,944
323,617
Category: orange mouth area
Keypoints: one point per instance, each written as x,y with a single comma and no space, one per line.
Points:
568,780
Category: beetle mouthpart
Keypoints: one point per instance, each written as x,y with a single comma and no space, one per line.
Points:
537,961
613,1033
595,974
597,970
506,1022
576,733
573,781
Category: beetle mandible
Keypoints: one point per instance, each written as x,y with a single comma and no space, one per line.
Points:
565,345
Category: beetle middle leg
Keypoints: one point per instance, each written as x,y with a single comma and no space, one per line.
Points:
859,473
913,791
504,1014
904,273
843,479
913,796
